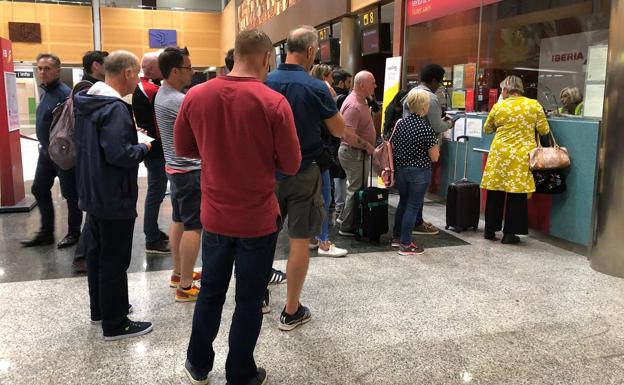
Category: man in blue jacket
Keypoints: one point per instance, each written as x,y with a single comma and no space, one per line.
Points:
107,162
54,92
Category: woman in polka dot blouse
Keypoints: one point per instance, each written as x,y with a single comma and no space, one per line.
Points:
415,146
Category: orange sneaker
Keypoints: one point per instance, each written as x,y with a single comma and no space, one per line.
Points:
174,281
189,295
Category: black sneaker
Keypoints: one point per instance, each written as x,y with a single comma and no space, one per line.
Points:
277,277
130,329
259,379
266,306
289,322
157,247
194,375
163,235
98,320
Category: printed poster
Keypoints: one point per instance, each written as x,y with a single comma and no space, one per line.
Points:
392,82
10,89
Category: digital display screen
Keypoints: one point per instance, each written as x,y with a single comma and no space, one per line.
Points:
325,48
370,40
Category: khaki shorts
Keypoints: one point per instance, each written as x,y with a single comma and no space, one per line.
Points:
301,201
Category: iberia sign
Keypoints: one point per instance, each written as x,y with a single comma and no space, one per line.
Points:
419,11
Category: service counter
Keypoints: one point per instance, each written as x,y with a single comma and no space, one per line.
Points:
568,215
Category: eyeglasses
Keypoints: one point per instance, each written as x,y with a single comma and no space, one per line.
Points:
188,68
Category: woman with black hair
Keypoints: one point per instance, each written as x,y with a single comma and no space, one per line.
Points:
394,112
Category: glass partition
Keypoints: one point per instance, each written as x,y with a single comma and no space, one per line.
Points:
557,47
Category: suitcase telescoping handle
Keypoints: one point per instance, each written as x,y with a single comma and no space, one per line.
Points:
367,182
466,139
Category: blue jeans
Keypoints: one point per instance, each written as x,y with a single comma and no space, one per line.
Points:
156,189
326,191
412,183
253,258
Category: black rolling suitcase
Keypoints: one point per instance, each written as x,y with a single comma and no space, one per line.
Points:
462,198
371,210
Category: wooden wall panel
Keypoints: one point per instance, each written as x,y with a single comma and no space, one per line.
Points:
66,30
128,29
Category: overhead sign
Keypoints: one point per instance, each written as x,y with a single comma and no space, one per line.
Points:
24,74
162,38
25,32
419,11
324,33
369,17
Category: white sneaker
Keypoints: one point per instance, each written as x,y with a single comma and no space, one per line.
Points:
333,251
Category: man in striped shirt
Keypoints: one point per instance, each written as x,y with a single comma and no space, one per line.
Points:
183,174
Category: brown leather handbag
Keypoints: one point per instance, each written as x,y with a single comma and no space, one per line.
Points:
548,158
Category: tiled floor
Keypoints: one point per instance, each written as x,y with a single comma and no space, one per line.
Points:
468,311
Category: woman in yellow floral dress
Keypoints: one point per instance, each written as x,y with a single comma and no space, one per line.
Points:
507,177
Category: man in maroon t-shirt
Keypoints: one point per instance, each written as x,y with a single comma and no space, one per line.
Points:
243,132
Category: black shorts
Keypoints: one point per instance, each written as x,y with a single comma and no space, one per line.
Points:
186,199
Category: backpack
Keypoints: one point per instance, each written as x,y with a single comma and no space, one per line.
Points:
339,100
62,150
383,161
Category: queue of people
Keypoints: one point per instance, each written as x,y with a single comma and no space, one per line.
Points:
309,140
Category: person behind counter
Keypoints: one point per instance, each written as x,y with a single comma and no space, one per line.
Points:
572,101
507,177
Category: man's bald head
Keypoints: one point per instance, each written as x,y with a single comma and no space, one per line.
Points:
361,77
122,71
364,83
150,67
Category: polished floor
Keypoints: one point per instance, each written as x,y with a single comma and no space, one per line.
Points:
468,311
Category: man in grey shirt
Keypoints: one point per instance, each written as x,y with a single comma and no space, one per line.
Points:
183,174
431,77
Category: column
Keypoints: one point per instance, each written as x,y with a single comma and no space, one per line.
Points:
350,42
607,254
97,31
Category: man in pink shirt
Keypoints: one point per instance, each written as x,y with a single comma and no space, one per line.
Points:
243,132
357,145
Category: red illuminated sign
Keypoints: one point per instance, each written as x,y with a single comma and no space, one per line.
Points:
419,11
568,56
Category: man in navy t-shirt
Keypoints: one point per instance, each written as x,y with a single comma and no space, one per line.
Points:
299,196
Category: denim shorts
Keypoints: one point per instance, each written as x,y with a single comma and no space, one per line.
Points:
186,199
